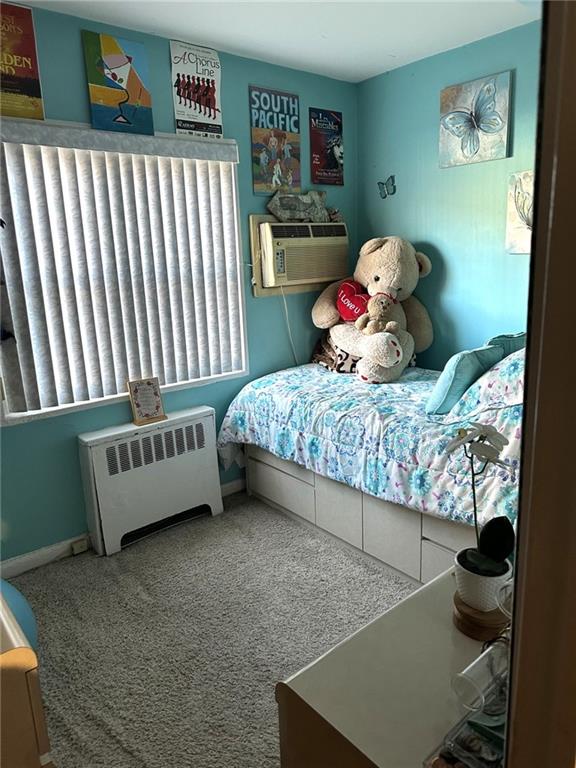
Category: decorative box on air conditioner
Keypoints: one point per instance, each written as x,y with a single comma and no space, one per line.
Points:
137,476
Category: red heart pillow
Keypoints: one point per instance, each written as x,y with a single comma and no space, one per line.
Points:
352,300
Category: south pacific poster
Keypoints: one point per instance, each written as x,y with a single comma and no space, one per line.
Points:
275,125
326,147
117,72
20,93
196,89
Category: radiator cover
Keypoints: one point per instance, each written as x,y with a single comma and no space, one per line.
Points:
135,476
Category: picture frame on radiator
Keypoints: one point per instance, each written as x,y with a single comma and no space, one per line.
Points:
146,400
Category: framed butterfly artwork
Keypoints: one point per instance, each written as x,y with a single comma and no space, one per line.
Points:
474,120
519,213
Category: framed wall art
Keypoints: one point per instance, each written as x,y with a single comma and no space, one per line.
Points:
519,213
326,147
196,90
474,119
146,400
20,91
117,72
275,133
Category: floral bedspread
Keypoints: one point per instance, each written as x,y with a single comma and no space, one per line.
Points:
379,439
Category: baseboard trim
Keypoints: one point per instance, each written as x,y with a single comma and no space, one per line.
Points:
15,566
234,486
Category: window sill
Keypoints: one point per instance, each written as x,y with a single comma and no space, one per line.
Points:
13,419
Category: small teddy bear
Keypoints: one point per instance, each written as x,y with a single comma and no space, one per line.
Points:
375,319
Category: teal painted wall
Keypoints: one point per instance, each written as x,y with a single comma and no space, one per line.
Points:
42,499
455,215
390,126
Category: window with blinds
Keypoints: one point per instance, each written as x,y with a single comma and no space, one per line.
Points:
116,265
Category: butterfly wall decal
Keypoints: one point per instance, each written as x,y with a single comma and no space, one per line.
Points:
481,118
387,188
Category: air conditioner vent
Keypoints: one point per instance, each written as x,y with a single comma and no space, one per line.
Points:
303,266
301,254
328,230
152,449
294,230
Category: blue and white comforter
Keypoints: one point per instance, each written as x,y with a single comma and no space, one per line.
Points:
378,438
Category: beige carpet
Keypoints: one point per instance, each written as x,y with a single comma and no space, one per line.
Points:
166,655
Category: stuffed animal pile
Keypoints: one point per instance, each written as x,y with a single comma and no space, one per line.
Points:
374,324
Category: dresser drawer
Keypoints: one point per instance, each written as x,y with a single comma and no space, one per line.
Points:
339,510
282,489
392,534
454,536
435,560
289,467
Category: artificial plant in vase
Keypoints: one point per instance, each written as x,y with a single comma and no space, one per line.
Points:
481,570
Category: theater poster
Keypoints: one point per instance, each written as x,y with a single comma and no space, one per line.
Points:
196,90
275,129
326,147
20,93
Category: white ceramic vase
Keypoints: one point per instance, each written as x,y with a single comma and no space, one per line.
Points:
480,592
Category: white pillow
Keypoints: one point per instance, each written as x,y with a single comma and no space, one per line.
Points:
501,386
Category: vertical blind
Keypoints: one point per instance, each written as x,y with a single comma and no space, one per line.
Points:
115,266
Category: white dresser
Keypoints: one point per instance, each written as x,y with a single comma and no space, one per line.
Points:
382,697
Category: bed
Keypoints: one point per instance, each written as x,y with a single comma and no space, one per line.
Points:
378,440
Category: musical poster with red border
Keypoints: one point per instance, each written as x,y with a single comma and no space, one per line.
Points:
20,91
326,147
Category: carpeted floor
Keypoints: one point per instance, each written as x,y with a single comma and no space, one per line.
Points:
166,655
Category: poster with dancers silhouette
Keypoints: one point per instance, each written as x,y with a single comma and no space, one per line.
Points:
275,129
196,90
326,147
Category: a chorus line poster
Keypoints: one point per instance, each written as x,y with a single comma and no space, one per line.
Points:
196,89
20,93
275,126
326,147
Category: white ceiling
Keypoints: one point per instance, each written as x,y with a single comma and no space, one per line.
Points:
346,40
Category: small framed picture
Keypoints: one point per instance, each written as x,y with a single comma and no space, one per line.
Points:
146,401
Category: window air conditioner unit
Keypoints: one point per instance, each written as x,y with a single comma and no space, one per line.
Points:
295,253
137,479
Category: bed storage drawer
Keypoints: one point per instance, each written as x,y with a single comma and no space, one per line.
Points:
339,510
289,467
454,536
435,560
282,489
393,534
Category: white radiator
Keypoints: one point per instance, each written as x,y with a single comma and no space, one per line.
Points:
136,476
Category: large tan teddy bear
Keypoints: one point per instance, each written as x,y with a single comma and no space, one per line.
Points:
389,266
